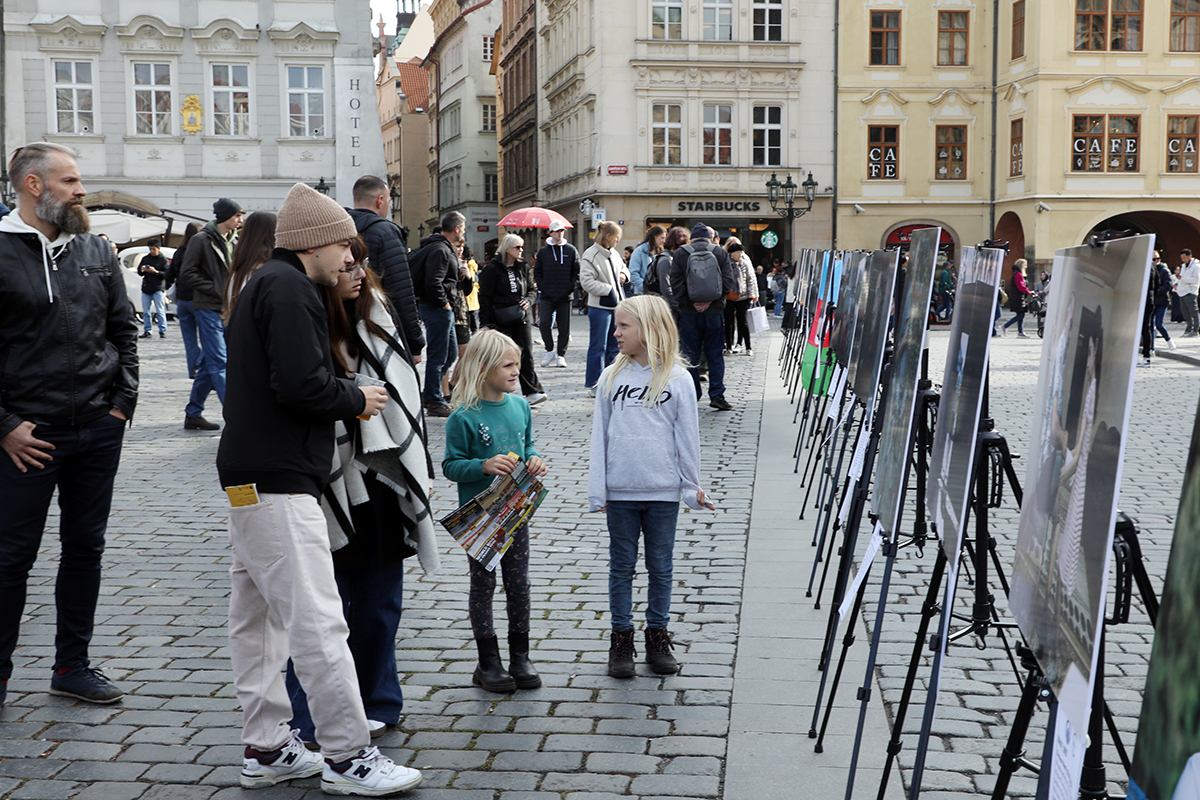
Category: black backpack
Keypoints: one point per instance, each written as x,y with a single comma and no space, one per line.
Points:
650,284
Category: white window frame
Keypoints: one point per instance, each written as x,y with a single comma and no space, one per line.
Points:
716,126
714,10
454,56
450,123
766,127
767,7
450,187
288,91
666,127
666,7
153,89
74,87
491,187
488,115
213,90
489,48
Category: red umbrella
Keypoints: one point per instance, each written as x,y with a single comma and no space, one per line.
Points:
532,217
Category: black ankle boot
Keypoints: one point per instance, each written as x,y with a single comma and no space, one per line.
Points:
523,673
490,674
620,655
658,652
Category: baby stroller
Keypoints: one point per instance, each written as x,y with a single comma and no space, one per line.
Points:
1036,305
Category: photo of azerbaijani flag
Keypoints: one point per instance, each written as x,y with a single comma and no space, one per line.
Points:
817,355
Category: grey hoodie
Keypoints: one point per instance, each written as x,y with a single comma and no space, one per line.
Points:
644,453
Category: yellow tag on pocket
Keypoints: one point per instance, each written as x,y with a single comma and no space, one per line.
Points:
244,495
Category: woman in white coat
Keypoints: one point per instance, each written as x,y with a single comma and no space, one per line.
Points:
604,276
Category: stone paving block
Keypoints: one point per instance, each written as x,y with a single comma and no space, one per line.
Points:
440,740
676,785
611,710
449,759
634,727
158,753
623,763
176,792
496,780
30,768
592,743
583,782
107,790
537,762
45,790
227,775
177,773
688,746
508,741
556,725
89,771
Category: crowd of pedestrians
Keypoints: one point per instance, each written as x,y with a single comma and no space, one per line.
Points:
310,325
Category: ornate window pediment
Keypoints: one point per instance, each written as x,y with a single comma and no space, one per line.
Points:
1105,91
951,104
302,39
149,34
67,33
224,37
1186,93
884,103
1015,97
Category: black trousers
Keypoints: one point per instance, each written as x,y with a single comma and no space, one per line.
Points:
548,309
519,333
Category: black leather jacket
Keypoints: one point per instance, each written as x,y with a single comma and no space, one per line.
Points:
69,361
389,259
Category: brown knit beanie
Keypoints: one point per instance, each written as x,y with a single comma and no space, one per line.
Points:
309,219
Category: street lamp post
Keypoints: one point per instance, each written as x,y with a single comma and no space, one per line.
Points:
786,192
322,186
395,195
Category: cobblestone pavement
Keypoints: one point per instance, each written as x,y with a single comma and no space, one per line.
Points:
583,736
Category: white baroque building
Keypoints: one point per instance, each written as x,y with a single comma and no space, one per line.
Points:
179,102
672,113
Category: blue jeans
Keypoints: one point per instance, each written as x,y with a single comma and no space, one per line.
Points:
371,600
187,329
627,522
85,464
210,375
441,349
154,304
704,332
602,347
1159,313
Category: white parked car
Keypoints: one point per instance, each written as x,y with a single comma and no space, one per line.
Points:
129,258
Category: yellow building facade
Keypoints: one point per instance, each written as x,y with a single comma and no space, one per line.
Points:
1038,125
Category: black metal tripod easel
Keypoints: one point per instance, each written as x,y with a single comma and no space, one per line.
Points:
1130,569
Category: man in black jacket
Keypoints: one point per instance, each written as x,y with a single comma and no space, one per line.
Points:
555,270
68,381
274,461
702,323
153,269
206,269
389,256
439,265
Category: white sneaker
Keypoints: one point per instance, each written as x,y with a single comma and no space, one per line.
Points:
293,760
535,398
376,728
548,359
368,774
1145,362
1172,343
562,362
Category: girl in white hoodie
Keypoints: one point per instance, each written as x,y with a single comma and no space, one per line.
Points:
645,456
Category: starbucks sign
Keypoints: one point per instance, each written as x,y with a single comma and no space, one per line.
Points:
769,239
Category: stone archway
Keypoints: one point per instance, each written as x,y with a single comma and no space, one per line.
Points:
1009,229
1173,231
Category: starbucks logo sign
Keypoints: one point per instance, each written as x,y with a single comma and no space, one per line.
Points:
769,239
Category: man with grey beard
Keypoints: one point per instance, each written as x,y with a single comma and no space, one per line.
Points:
68,383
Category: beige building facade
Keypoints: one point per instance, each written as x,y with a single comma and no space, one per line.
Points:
1086,121
677,113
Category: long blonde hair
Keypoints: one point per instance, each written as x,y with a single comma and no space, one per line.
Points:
484,352
661,337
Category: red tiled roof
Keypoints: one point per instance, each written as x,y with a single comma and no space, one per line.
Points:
415,82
